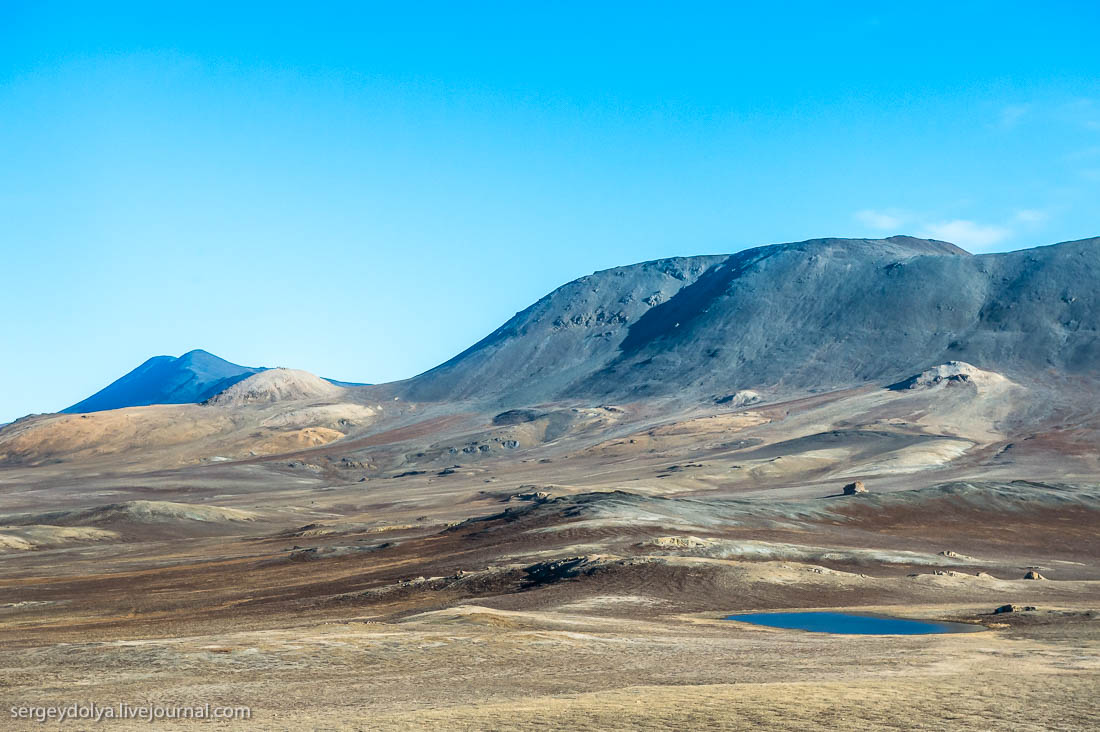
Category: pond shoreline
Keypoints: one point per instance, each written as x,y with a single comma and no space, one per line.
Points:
841,623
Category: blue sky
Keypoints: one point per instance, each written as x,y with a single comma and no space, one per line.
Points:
363,192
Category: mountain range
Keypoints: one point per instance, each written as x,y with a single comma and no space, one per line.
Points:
193,377
805,316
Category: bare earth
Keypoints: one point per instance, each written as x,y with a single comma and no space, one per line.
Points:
566,566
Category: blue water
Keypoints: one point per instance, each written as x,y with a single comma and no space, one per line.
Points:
850,624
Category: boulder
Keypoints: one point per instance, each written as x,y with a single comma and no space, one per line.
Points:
855,488
1033,575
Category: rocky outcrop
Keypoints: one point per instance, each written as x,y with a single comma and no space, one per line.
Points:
559,569
738,399
530,496
949,374
517,416
855,488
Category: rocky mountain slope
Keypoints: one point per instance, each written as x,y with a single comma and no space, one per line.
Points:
807,316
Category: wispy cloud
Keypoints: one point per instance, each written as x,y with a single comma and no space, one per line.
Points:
1030,216
881,220
967,234
1012,114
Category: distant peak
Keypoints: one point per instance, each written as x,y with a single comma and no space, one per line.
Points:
157,359
192,377
199,355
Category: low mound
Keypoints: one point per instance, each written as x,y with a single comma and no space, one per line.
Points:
174,434
950,373
134,513
301,439
332,416
275,385
36,536
55,437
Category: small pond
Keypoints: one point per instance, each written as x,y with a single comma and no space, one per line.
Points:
852,623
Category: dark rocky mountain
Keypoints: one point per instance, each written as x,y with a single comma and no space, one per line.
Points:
193,377
820,314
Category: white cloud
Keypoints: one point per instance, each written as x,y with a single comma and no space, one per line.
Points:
1030,216
967,234
880,220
